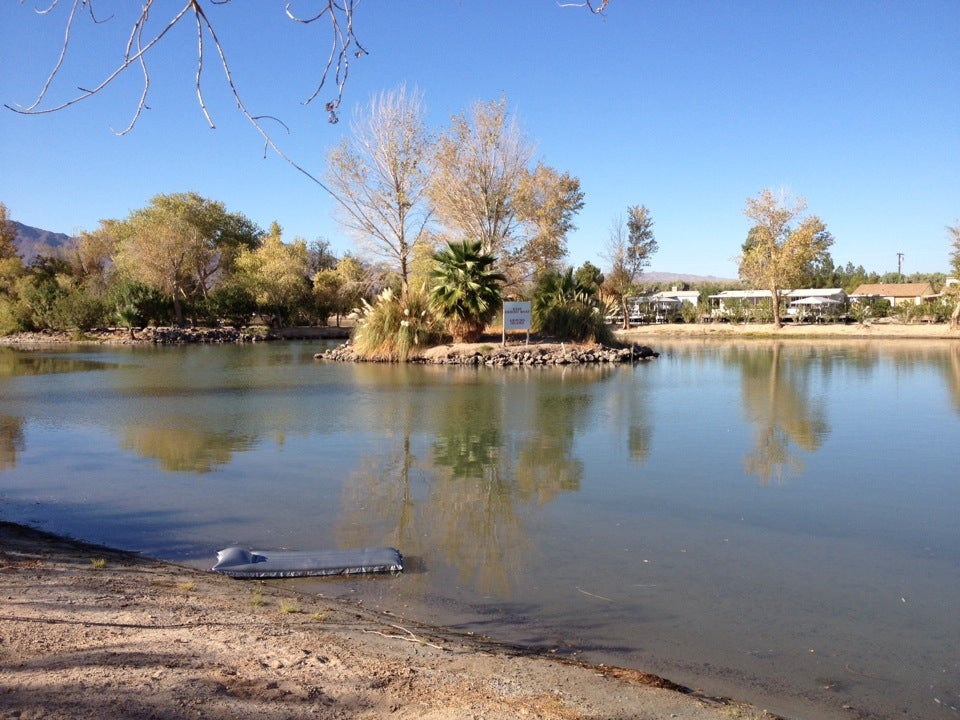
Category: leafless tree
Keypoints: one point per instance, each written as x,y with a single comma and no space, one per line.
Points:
380,174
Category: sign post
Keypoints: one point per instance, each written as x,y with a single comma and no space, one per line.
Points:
516,316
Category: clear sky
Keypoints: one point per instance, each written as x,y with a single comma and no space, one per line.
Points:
686,107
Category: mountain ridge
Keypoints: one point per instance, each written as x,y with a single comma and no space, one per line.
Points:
32,241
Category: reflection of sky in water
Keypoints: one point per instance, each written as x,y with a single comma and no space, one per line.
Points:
783,514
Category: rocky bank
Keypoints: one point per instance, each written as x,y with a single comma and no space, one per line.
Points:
540,354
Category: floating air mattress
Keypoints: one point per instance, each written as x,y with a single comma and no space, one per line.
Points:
241,563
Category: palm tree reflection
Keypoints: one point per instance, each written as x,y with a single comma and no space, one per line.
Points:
501,446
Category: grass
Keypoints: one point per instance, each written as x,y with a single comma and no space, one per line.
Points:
187,586
98,563
319,617
257,600
289,607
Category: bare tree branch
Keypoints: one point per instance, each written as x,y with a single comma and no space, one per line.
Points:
601,5
343,45
127,61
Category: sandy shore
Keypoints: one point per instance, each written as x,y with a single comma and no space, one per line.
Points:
879,330
87,632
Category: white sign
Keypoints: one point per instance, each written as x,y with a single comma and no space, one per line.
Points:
516,316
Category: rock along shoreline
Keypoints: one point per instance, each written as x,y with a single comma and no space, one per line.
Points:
173,335
543,354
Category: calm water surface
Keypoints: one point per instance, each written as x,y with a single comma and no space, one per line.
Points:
773,521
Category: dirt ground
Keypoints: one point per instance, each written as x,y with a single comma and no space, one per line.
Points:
86,632
884,329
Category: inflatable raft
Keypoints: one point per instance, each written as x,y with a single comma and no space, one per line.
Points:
239,562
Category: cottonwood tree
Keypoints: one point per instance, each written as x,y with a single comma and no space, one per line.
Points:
180,243
90,255
277,274
547,202
380,175
11,270
782,246
483,189
479,162
629,250
8,235
953,233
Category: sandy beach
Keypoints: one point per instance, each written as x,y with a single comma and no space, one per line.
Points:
88,632
885,329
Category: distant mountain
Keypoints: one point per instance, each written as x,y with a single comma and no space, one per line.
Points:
33,241
665,277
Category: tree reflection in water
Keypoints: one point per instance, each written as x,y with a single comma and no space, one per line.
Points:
11,440
776,401
952,373
184,448
501,445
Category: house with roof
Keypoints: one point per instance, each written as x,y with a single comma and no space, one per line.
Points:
802,303
895,293
681,296
835,294
731,303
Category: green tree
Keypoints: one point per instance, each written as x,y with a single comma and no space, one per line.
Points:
776,255
641,244
8,235
277,275
231,301
379,176
466,289
180,243
11,270
589,277
135,304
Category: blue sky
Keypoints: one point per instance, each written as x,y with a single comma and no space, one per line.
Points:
686,107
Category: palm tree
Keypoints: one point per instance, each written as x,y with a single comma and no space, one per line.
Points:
466,290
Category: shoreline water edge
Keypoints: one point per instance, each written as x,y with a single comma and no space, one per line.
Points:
92,632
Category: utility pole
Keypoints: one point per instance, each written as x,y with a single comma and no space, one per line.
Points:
900,266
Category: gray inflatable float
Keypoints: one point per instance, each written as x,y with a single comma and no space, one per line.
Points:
239,562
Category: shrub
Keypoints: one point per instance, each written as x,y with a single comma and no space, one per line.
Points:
79,308
566,310
391,327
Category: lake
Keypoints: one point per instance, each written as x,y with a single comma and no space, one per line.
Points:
773,521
